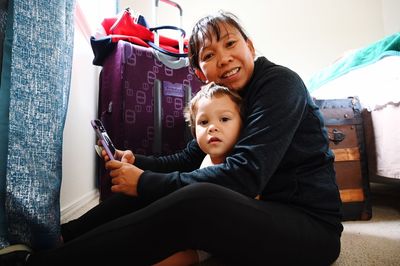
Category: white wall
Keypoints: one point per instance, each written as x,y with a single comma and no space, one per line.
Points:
304,35
79,157
391,17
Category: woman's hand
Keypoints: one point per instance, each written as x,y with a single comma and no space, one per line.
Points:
125,177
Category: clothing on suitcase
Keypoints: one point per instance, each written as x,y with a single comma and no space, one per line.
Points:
346,134
135,29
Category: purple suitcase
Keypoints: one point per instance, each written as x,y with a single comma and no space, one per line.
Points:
141,103
132,81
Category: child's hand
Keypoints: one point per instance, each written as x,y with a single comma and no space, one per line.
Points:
123,156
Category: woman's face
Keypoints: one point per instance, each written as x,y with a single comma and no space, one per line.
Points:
217,125
228,61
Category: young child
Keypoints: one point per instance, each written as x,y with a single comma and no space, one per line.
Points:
214,117
163,205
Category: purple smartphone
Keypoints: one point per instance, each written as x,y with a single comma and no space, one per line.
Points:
104,138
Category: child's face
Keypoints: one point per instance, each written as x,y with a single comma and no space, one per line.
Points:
228,61
218,125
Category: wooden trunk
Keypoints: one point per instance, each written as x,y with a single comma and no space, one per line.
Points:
346,134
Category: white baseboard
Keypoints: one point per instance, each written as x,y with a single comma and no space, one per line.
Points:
80,205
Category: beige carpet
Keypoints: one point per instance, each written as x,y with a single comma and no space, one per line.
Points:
377,241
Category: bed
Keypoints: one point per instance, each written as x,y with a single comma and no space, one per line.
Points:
372,74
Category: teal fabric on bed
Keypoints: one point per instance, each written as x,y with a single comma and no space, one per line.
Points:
4,104
387,46
40,74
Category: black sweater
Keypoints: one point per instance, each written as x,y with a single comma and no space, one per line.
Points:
282,154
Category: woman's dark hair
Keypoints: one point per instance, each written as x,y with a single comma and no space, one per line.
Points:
208,26
207,92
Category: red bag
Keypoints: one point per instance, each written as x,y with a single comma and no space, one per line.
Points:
125,27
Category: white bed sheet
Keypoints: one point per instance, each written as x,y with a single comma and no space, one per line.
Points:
386,137
376,84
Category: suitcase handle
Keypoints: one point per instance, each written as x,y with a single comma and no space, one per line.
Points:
157,144
171,60
156,46
171,3
156,36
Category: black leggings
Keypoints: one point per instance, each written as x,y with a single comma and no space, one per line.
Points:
239,230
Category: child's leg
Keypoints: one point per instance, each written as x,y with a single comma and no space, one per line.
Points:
181,258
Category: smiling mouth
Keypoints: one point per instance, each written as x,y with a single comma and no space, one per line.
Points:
231,72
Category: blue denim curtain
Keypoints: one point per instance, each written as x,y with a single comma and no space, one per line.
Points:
36,77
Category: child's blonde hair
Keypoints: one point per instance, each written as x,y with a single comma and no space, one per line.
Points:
209,91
